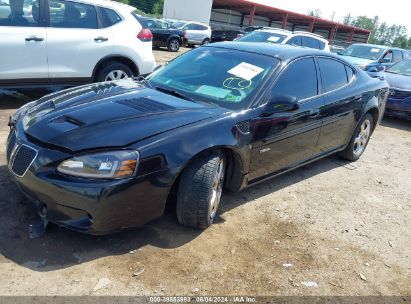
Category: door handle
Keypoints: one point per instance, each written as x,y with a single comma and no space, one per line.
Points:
34,38
314,113
100,39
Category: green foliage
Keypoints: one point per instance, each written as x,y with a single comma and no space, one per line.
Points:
152,8
381,33
314,13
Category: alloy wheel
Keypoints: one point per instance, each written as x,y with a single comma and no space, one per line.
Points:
174,45
361,140
116,75
217,189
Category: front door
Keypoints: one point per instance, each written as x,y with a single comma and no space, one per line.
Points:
284,140
23,41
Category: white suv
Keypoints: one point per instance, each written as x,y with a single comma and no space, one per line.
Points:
196,33
273,35
68,42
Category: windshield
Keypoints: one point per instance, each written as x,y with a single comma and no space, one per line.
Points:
225,77
402,68
363,51
258,36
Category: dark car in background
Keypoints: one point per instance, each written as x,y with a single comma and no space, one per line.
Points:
164,33
373,58
399,100
225,35
108,156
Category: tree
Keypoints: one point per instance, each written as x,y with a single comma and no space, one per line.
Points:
314,13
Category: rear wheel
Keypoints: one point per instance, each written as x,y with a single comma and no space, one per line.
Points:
113,71
360,139
173,45
199,191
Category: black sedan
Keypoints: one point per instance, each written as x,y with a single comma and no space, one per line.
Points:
108,156
164,33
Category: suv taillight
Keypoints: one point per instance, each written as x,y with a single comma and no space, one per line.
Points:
145,35
185,34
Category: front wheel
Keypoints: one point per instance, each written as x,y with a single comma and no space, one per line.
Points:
199,191
360,139
206,41
113,71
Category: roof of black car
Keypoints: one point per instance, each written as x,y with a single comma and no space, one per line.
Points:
283,52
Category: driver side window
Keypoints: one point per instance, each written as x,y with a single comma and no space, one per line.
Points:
298,80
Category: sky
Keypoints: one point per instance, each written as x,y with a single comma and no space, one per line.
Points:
392,12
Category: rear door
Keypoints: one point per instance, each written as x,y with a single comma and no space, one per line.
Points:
284,140
342,103
75,41
23,42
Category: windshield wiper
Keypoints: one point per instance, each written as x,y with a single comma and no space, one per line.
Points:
143,80
174,93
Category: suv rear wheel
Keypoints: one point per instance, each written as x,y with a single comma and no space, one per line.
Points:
113,70
173,45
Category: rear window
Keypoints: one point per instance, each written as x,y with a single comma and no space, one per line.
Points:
310,42
258,36
179,24
109,17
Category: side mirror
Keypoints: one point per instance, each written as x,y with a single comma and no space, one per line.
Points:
339,53
280,104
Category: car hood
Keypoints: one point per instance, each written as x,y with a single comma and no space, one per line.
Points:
398,81
109,115
357,61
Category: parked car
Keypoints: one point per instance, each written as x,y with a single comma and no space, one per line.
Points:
196,33
164,33
336,49
226,35
77,42
370,57
279,36
399,100
104,157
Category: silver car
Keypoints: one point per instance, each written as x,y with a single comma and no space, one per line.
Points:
196,33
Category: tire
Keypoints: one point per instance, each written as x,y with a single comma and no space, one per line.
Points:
206,41
173,45
199,191
360,139
113,70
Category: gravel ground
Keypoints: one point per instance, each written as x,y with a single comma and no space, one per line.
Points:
330,228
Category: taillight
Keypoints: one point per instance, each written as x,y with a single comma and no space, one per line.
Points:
145,35
240,35
185,34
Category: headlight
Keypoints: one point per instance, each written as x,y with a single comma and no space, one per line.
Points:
106,165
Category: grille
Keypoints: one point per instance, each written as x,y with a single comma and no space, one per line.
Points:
23,158
11,142
244,127
398,94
